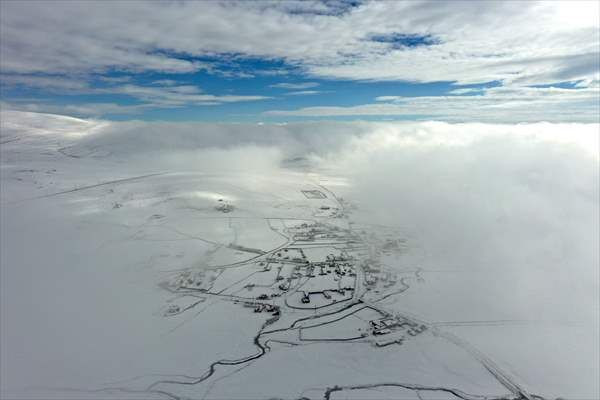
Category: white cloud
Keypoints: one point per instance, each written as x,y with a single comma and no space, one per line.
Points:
302,85
325,140
303,93
460,91
165,93
271,72
526,42
116,79
177,95
165,82
79,109
51,83
499,104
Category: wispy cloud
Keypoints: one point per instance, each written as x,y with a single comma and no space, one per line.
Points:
301,85
271,72
165,82
304,93
94,110
163,93
500,104
50,82
178,95
115,79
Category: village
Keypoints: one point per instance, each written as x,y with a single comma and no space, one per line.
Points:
322,269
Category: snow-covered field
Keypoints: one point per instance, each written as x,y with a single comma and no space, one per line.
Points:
499,229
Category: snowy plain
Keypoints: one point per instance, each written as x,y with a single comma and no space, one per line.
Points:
501,222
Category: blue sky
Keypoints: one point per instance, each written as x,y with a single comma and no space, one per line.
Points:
277,62
296,91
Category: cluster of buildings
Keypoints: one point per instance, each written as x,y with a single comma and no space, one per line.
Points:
393,245
224,207
172,310
310,232
293,255
385,325
259,307
196,281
